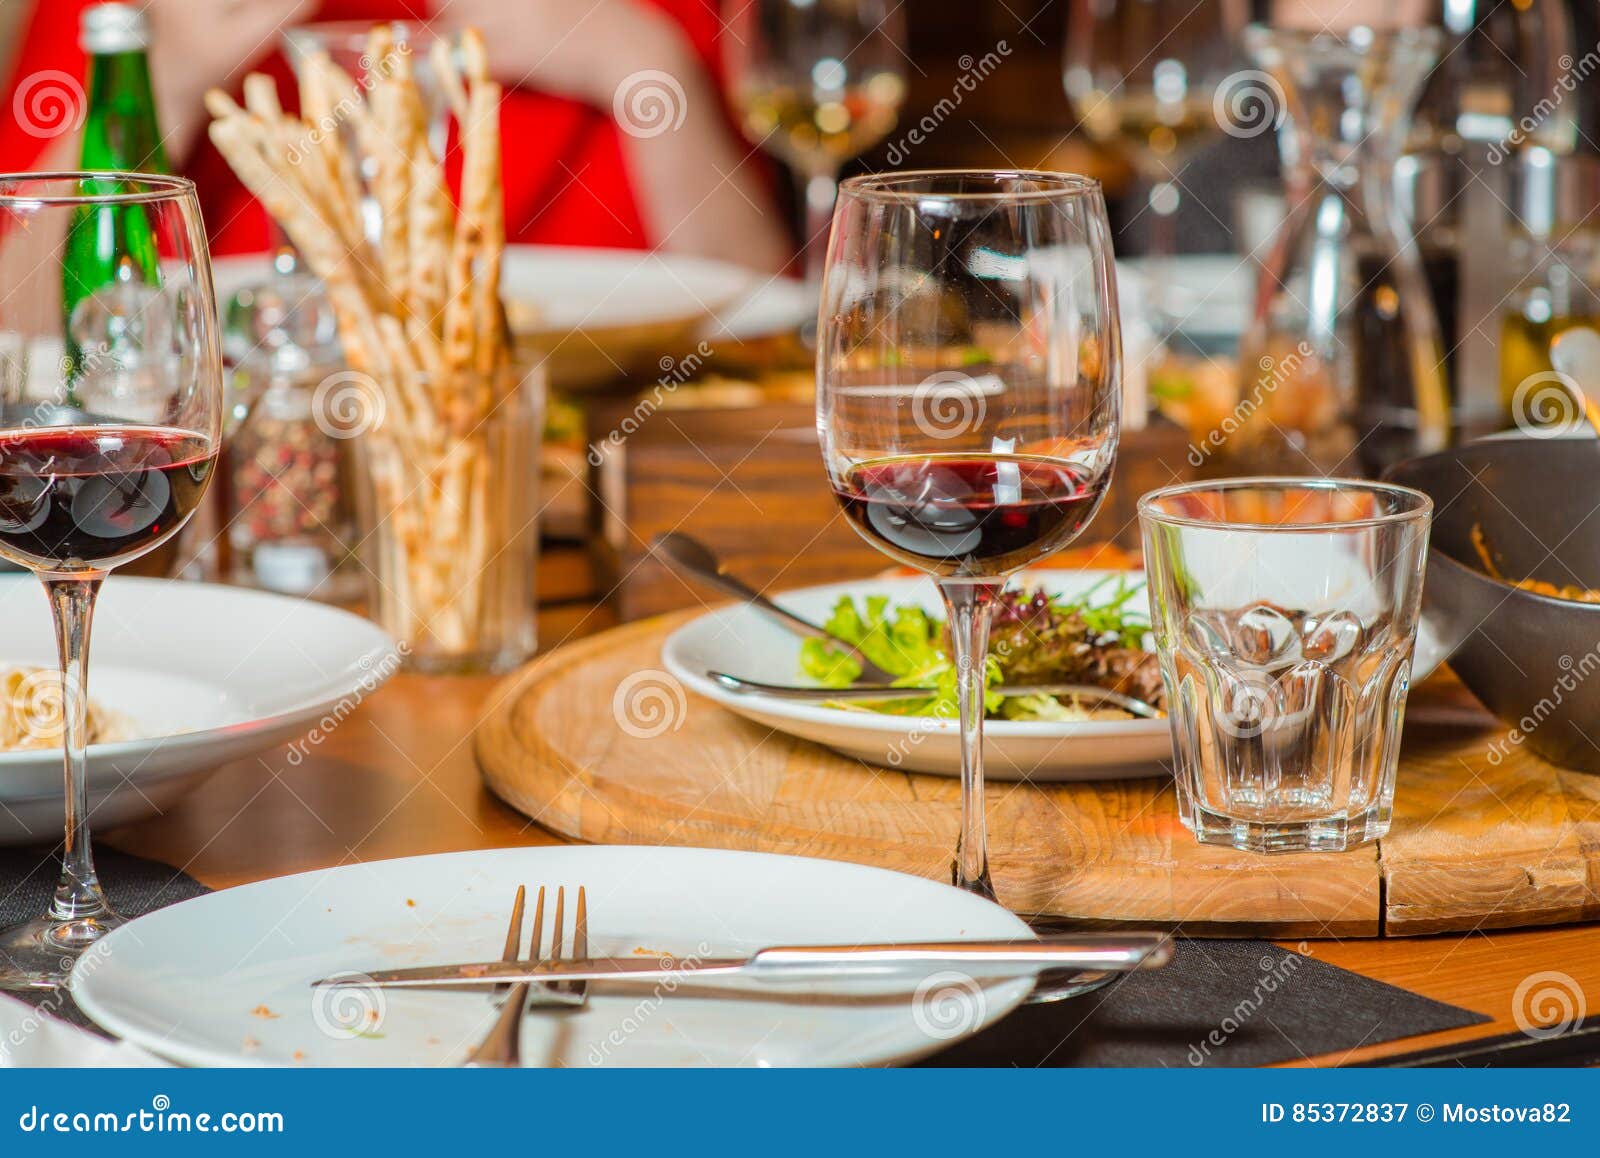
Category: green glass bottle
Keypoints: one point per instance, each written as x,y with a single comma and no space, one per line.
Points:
112,244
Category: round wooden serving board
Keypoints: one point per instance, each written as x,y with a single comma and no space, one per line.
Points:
1477,842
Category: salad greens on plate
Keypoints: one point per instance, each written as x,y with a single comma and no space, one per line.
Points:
1091,638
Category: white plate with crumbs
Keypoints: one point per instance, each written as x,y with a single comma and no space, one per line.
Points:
225,979
192,675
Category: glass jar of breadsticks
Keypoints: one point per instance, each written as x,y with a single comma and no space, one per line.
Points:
448,428
448,519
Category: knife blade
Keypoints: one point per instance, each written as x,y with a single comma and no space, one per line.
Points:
740,686
987,960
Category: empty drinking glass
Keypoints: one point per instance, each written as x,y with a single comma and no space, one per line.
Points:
1284,613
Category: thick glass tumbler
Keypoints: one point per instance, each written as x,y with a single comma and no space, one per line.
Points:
1284,613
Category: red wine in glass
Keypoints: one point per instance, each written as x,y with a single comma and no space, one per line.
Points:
957,515
88,498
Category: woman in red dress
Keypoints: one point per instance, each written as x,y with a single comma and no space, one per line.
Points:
573,175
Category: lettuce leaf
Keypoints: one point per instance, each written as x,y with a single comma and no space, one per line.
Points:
906,642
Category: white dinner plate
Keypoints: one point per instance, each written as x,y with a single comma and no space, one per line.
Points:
206,674
741,641
225,979
571,289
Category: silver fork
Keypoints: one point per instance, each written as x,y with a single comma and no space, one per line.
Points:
502,1045
576,991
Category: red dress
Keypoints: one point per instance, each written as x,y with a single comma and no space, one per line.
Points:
555,138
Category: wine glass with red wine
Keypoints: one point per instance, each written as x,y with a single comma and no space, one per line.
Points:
109,430
968,392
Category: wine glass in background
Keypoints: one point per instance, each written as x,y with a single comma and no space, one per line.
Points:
107,443
1143,76
815,82
968,394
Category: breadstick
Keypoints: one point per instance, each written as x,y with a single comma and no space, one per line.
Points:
261,98
408,385
428,232
392,145
444,68
465,328
489,209
326,118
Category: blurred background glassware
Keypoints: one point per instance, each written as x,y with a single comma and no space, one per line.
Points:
451,554
968,393
1505,104
108,268
288,291
286,497
815,82
1343,366
110,459
1143,76
1553,247
1285,613
345,43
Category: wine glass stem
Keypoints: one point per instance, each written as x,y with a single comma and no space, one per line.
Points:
970,605
817,189
78,895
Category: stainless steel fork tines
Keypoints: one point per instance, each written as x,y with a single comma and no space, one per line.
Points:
502,1046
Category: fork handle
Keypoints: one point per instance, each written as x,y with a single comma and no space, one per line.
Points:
501,1047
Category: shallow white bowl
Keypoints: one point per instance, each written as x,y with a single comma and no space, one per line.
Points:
207,673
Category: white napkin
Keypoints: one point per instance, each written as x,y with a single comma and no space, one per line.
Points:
32,1037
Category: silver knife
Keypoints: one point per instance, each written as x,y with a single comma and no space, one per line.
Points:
988,960
741,686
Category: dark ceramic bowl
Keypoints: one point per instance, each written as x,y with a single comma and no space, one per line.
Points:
1534,661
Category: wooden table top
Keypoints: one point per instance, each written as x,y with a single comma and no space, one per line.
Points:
398,778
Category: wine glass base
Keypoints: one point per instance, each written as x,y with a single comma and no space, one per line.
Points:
41,953
1062,984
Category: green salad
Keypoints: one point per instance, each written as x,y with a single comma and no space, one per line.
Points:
1092,638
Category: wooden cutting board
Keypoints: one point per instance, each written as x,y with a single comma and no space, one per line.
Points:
1475,843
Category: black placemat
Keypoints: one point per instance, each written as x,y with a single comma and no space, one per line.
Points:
134,884
1218,1003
